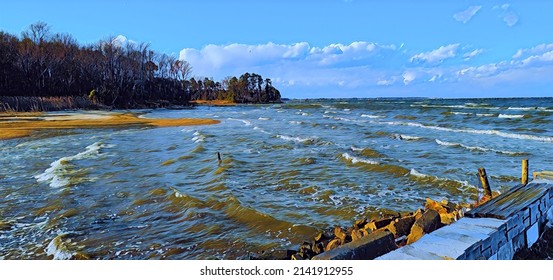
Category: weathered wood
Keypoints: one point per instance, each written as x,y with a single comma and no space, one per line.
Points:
511,202
484,181
524,178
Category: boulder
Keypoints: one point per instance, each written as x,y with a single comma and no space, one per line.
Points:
374,225
401,226
448,218
340,234
436,206
356,234
428,222
334,243
366,248
305,250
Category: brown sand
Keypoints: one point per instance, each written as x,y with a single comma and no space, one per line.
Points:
26,126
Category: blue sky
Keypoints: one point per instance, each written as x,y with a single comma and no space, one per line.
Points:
330,48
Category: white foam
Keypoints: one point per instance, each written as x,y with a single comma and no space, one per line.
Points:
355,149
297,139
263,119
473,131
418,174
506,116
371,116
462,113
295,122
452,106
55,174
407,137
54,250
475,148
530,109
330,112
355,160
245,122
485,115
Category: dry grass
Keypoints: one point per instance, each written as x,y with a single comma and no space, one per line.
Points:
25,125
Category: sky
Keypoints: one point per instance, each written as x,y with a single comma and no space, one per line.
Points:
330,48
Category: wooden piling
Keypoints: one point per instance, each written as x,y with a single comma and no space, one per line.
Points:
524,178
219,157
485,183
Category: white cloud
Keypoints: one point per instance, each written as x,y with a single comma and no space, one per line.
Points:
437,55
408,77
386,82
466,15
469,55
508,14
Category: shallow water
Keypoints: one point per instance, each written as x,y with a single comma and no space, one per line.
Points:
287,170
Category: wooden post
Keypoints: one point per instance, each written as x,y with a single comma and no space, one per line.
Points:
219,157
524,177
485,183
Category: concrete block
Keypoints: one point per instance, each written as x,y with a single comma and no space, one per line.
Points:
497,239
519,242
366,248
526,223
487,253
532,235
409,252
473,253
534,212
447,248
524,214
505,252
493,257
483,222
514,221
461,234
514,232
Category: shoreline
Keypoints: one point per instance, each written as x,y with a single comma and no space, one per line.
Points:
18,125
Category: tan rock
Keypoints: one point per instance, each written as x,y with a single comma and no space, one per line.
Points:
356,234
340,234
434,205
401,226
334,243
429,221
448,218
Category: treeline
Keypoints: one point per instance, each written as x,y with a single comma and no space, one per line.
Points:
112,72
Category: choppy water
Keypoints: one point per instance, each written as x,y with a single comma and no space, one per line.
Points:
287,170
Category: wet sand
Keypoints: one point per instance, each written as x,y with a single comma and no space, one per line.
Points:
16,125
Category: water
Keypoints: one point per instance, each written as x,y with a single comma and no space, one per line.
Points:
287,171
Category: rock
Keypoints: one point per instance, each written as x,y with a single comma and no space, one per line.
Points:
334,243
433,205
365,248
401,226
448,218
356,234
360,223
297,257
305,250
318,248
340,234
429,221
450,206
374,225
418,214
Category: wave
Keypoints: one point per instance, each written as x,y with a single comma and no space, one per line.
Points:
295,122
59,247
246,123
330,112
355,160
367,152
545,109
198,137
485,115
462,113
263,119
476,148
473,131
451,185
505,116
454,106
371,116
406,137
308,140
55,175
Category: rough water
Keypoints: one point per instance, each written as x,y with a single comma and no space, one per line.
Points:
287,170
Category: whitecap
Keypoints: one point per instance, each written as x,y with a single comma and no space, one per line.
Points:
371,116
505,116
475,148
297,139
245,122
355,160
